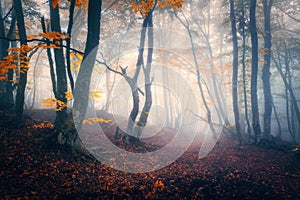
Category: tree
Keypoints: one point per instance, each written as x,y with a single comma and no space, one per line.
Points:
145,8
19,107
147,69
134,130
288,87
285,43
200,81
267,6
235,70
62,85
242,23
6,84
67,134
50,59
254,71
81,94
204,25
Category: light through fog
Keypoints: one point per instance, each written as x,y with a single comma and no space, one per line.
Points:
213,50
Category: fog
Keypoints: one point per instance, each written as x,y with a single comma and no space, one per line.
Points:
176,100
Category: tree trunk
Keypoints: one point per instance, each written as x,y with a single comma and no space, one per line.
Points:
244,74
277,120
81,91
267,5
2,54
290,89
290,106
68,41
50,59
19,107
206,34
62,88
235,71
6,86
254,71
35,79
148,82
128,137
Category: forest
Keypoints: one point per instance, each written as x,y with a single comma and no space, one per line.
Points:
149,99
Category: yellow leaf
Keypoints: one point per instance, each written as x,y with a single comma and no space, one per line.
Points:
95,94
79,56
69,95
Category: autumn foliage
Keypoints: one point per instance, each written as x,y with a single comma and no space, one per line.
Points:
78,3
144,7
17,58
30,171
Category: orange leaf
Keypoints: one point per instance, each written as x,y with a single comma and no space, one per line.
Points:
54,3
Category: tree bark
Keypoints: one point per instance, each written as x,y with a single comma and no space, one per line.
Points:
68,41
235,71
206,34
6,86
277,120
148,82
254,71
2,54
290,89
81,91
267,6
50,59
62,88
244,73
128,137
19,106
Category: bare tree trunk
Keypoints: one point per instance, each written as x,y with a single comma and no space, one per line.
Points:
206,34
130,132
148,82
34,80
167,101
19,107
235,71
267,6
82,85
222,94
62,88
81,94
254,71
208,111
290,106
244,73
68,41
6,87
288,116
109,87
289,88
3,53
50,59
128,138
277,120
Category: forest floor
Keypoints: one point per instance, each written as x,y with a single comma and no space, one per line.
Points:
29,170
